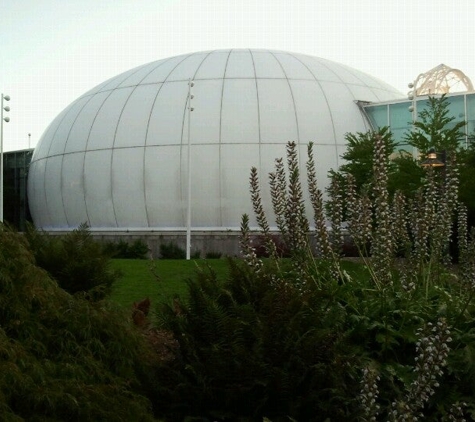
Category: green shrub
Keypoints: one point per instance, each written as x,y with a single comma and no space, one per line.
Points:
213,255
64,357
250,348
138,249
171,250
76,261
302,339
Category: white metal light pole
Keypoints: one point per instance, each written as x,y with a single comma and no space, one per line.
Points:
2,119
188,214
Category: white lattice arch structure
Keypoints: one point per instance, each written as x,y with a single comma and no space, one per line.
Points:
442,79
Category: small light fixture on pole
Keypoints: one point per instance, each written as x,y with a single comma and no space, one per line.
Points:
29,140
2,119
188,213
432,160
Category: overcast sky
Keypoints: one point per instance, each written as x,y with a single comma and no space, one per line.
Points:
52,51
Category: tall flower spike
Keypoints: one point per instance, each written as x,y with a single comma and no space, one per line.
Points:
323,248
335,212
382,247
296,221
278,191
369,394
247,250
260,214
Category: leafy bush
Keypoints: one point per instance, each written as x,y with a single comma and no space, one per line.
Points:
63,357
138,249
301,338
76,261
171,250
250,347
213,255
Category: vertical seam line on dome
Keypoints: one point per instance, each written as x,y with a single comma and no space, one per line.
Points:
112,154
258,111
182,131
293,101
157,65
220,183
62,159
328,105
85,152
48,156
150,118
113,145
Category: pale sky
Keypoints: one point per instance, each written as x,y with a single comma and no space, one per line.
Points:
52,51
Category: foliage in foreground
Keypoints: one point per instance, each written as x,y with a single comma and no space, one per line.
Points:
298,339
75,261
63,357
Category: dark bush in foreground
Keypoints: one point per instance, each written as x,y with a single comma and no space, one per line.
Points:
76,261
63,357
251,348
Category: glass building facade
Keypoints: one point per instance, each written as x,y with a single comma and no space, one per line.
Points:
16,211
397,116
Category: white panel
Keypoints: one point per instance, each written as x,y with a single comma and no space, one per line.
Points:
36,193
136,77
97,181
240,65
344,73
240,113
267,65
384,95
362,93
187,68
104,127
73,189
161,73
345,113
236,163
115,82
317,68
79,134
313,114
205,192
277,112
44,143
163,181
166,121
53,190
205,119
132,127
128,187
61,136
293,68
213,66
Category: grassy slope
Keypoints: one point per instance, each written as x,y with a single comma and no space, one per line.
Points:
160,280
163,279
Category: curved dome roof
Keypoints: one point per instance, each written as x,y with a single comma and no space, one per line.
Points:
116,158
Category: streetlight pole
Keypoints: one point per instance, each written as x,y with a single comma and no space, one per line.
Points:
2,119
188,213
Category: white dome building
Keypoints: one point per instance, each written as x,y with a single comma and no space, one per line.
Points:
117,157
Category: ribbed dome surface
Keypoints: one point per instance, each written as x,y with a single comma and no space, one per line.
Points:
117,156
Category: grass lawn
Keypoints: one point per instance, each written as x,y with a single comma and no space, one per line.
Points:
162,280
159,280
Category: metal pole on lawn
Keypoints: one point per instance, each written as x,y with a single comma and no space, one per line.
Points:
188,214
2,119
